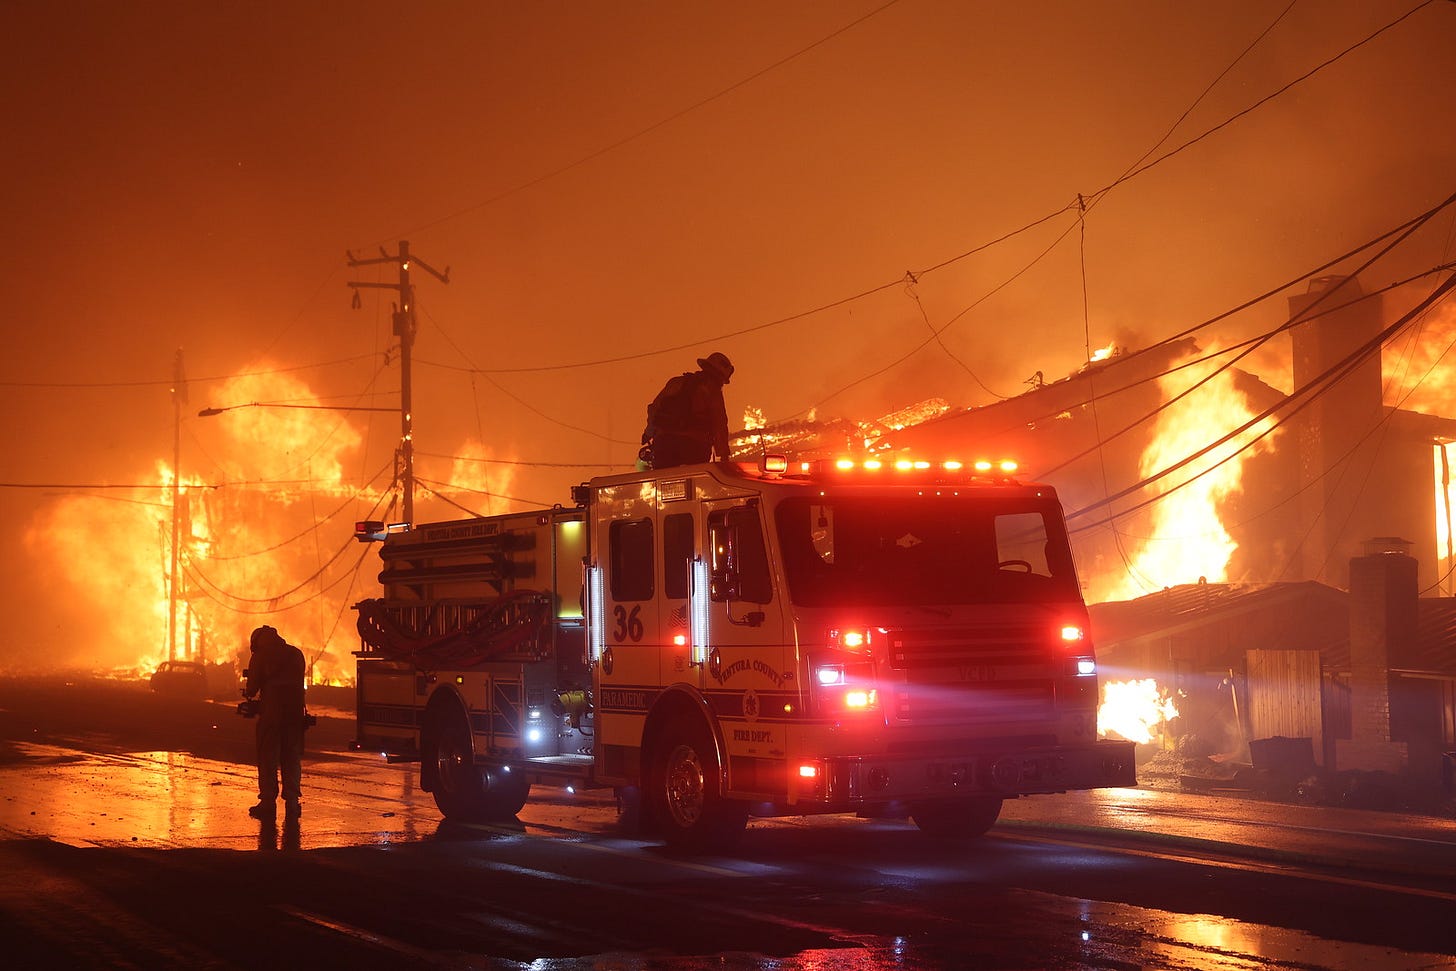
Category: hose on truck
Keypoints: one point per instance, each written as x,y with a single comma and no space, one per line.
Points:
502,626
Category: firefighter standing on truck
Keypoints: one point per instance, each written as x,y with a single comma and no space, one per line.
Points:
275,678
687,422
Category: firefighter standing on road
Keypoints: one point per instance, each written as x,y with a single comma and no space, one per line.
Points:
687,422
275,678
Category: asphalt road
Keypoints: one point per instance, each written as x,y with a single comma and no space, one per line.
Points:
126,844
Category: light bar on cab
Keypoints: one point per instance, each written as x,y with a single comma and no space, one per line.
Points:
905,465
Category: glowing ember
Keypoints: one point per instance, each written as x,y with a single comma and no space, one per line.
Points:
1135,710
1185,540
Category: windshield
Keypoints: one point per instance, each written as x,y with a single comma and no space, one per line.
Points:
925,550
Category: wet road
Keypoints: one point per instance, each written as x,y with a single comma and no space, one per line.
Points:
120,851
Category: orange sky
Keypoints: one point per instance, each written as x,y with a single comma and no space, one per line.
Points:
189,175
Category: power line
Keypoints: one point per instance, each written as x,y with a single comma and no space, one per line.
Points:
275,608
526,463
512,395
1189,331
169,382
1301,399
1253,345
272,601
487,492
314,527
642,132
1134,173
1088,199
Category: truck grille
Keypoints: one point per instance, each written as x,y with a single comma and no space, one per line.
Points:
992,673
1010,642
973,702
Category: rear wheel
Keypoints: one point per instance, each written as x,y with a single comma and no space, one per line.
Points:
960,819
462,791
685,796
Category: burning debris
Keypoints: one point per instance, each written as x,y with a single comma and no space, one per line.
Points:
1136,710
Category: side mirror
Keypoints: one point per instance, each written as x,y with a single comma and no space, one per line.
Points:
725,584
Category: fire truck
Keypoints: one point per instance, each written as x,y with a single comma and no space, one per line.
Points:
883,637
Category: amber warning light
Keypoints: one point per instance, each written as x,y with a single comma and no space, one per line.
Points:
901,465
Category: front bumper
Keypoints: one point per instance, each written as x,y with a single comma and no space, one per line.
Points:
856,782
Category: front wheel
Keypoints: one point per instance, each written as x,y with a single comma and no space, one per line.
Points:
462,791
686,797
958,819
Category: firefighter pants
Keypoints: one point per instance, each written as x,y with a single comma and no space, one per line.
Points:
670,450
280,752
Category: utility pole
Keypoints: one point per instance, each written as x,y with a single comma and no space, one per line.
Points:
404,329
179,398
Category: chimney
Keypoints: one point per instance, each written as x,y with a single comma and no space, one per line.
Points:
1331,321
1383,593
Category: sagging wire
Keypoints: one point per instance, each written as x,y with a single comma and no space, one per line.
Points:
293,539
525,463
910,280
1405,231
189,571
1127,561
473,371
1304,396
1091,199
481,492
1382,427
209,585
642,132
170,381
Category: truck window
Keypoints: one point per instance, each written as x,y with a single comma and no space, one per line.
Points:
1021,538
925,551
737,542
630,542
677,550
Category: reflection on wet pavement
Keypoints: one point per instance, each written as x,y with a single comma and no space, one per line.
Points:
177,799
165,799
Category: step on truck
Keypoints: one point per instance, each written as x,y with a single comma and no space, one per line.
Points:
883,637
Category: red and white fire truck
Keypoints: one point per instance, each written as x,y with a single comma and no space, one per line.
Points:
881,637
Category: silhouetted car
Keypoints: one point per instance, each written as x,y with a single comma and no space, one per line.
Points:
181,679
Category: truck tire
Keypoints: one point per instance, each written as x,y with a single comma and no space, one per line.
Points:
959,819
462,792
685,796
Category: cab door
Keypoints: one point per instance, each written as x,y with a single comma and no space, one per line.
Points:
627,636
749,674
682,571
742,607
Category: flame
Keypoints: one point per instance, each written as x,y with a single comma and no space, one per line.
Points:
1135,710
1420,375
1186,540
1445,503
256,551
